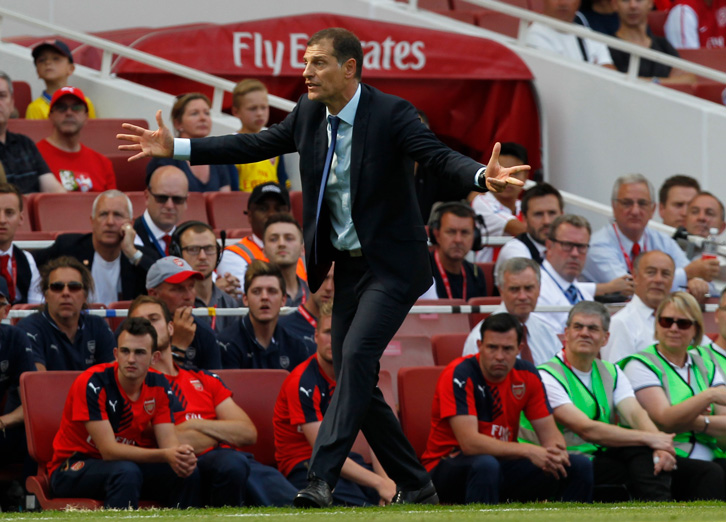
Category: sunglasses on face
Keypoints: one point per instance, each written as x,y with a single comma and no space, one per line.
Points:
63,107
59,286
682,324
161,199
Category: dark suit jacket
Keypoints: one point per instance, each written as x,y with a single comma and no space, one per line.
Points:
387,138
80,246
143,234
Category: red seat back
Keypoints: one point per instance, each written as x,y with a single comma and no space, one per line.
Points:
481,301
447,347
255,391
63,212
416,388
296,206
22,96
196,208
115,322
227,209
430,324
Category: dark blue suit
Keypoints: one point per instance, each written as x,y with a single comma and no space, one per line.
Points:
373,293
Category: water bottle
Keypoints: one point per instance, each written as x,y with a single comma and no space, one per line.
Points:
710,245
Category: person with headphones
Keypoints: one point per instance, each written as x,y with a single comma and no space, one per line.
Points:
195,242
453,232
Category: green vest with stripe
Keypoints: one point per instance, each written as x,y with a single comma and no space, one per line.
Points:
718,359
678,390
596,404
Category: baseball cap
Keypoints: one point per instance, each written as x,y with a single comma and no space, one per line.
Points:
68,91
59,46
170,269
268,189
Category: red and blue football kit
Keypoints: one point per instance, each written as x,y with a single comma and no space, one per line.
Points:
196,394
463,390
96,395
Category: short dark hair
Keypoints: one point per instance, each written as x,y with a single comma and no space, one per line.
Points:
346,45
679,180
66,262
282,217
9,188
510,148
148,299
180,105
540,190
140,326
259,268
502,323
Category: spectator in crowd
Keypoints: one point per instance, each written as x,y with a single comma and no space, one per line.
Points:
194,343
541,204
633,328
501,210
519,285
673,198
616,245
166,202
589,397
696,24
116,440
22,163
250,105
705,212
195,242
77,167
598,15
452,229
211,422
302,322
117,265
266,200
716,350
299,409
683,394
17,357
191,118
17,267
472,451
283,244
567,247
257,340
633,16
568,45
61,335
54,64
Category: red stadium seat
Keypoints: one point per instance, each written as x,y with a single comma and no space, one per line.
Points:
416,388
406,350
656,22
115,322
44,395
468,17
435,5
481,301
488,269
447,347
714,58
130,175
255,391
196,208
227,209
296,205
22,96
430,324
27,225
24,306
63,212
499,23
138,201
234,233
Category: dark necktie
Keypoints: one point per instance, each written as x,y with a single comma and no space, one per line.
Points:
5,274
166,238
571,294
525,353
334,121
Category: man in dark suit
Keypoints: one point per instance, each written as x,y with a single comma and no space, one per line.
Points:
357,146
117,265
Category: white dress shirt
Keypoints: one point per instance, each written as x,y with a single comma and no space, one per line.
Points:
542,341
496,216
552,293
35,295
543,37
516,248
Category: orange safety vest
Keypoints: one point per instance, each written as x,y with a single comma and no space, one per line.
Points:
249,251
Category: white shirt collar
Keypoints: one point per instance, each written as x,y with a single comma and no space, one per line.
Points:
347,114
558,279
155,231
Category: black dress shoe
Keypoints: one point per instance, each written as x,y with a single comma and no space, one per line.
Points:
315,495
425,495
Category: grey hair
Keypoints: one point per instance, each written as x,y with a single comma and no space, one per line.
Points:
5,77
590,308
629,179
517,265
571,219
113,193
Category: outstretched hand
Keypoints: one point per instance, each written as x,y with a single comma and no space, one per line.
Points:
148,143
498,177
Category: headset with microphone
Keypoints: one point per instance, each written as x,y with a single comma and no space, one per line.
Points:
175,248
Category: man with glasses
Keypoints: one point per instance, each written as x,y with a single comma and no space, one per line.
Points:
166,194
61,336
118,266
77,167
20,159
615,246
567,248
197,245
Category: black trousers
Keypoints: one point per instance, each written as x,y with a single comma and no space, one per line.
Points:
365,319
632,466
699,479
